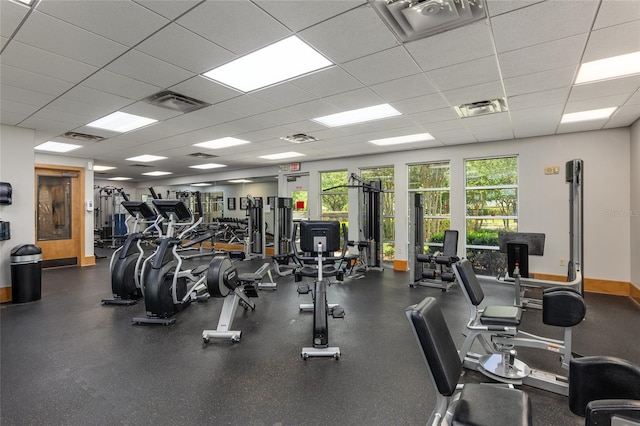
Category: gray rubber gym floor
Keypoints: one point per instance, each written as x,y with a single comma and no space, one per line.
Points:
68,360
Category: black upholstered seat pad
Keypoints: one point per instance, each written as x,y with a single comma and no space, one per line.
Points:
489,405
501,315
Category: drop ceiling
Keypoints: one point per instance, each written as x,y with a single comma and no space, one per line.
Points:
67,63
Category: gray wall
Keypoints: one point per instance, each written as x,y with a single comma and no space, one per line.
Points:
635,204
16,167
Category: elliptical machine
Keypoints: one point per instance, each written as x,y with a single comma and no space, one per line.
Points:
167,288
127,259
322,237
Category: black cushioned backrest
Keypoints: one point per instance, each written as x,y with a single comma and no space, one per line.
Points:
599,413
436,343
450,243
470,281
598,377
562,307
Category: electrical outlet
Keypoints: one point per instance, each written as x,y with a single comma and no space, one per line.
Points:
561,262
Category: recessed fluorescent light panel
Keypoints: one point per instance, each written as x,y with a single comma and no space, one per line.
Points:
120,178
221,143
27,2
121,122
282,155
603,69
240,181
57,147
201,184
361,115
273,64
158,173
207,166
595,114
97,168
418,137
146,158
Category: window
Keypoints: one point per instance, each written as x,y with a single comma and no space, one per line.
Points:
386,175
334,197
433,180
491,207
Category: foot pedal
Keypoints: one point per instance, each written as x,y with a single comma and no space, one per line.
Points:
337,312
251,290
304,289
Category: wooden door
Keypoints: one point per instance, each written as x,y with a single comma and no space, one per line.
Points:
59,216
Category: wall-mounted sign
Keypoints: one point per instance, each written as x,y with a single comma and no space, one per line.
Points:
294,167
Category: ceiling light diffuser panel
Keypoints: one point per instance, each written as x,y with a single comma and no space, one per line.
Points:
146,158
57,147
121,122
595,114
207,166
282,155
361,115
284,60
221,143
614,67
418,137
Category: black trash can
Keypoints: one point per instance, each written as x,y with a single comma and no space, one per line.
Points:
26,273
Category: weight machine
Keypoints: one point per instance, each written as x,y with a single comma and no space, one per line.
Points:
109,217
255,240
441,276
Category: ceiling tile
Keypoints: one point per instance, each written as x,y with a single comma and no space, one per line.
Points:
16,77
614,12
420,103
11,15
477,93
283,94
27,97
299,15
20,55
359,98
169,9
183,48
546,56
327,82
595,103
538,99
608,87
404,88
120,85
67,40
142,67
19,108
125,22
466,74
536,121
238,26
87,95
453,47
540,81
498,7
246,105
206,90
10,116
542,22
356,33
383,66
625,116
613,41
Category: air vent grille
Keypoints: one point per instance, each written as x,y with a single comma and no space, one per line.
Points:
475,109
84,137
175,101
299,138
141,165
201,155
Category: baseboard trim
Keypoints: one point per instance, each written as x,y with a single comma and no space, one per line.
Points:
596,285
634,293
400,265
5,294
88,261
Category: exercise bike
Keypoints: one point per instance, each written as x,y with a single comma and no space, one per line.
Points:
127,260
323,237
168,288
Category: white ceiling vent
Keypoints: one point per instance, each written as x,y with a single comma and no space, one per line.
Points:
83,137
175,101
415,19
299,138
202,155
475,109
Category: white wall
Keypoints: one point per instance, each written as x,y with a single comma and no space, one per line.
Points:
16,167
635,203
543,200
87,165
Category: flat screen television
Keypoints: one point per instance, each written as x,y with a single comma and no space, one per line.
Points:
534,241
175,207
135,207
325,231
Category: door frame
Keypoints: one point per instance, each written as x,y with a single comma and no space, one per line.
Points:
77,204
